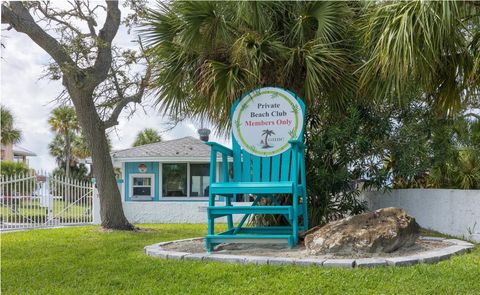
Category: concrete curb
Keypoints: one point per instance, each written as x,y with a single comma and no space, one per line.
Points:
457,247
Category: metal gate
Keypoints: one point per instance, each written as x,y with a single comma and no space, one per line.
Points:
38,199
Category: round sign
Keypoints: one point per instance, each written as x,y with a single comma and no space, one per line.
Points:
266,119
142,168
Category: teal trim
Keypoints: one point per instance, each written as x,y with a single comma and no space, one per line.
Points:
152,168
263,177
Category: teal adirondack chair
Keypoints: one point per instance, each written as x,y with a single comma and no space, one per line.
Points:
262,176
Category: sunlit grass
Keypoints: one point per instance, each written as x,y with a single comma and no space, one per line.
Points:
87,260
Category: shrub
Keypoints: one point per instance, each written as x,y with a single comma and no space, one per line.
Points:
344,153
9,168
19,170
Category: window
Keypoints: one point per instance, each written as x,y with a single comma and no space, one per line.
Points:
142,186
199,180
174,180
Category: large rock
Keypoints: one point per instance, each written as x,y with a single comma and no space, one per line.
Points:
384,230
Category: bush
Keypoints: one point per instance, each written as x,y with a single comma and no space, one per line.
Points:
344,153
77,172
9,168
21,171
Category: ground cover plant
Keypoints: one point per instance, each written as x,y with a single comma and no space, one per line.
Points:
87,260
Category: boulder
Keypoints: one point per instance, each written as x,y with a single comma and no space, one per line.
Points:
384,230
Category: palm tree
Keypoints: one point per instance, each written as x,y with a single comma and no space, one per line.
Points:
209,53
146,136
64,121
267,133
332,54
432,45
9,135
80,149
57,149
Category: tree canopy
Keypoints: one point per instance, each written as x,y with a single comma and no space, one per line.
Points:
206,54
147,136
63,120
9,134
330,53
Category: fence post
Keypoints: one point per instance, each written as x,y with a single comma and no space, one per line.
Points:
49,195
97,219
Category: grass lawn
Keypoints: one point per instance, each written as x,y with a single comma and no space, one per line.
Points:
30,211
86,260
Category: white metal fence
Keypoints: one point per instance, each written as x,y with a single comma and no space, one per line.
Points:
38,199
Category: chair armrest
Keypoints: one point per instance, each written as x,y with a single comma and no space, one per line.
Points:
220,148
297,142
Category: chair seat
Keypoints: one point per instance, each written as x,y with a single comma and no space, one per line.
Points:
273,187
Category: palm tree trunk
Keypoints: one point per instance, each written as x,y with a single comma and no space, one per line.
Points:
67,154
67,195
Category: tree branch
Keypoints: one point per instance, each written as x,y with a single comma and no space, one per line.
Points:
104,40
52,16
17,16
89,19
137,98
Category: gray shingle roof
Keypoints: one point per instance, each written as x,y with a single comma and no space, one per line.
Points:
182,147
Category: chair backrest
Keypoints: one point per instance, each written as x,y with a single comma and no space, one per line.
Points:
263,121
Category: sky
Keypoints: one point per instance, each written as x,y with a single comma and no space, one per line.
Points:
31,101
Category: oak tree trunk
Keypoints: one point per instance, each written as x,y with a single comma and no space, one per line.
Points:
111,210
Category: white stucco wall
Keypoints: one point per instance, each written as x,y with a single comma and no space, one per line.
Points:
168,212
453,212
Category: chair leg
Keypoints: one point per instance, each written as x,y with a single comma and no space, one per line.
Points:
211,223
295,219
228,202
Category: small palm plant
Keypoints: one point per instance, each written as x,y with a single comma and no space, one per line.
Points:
467,174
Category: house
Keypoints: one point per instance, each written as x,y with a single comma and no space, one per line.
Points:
10,152
166,182
174,170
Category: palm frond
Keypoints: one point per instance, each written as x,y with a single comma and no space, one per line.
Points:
419,40
8,133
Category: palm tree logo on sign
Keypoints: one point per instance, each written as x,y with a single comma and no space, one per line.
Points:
266,119
266,133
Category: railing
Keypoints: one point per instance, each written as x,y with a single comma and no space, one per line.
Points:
37,199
